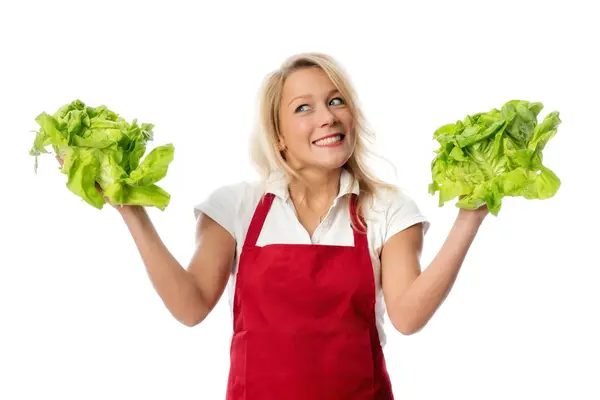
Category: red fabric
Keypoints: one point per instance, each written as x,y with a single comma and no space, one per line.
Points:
304,321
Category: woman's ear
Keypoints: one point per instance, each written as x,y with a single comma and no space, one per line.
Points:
281,144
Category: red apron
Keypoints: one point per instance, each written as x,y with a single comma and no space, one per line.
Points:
304,321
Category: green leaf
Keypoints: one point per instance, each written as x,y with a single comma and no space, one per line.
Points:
50,127
153,168
544,131
82,171
151,195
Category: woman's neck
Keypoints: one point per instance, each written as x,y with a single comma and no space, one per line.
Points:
316,190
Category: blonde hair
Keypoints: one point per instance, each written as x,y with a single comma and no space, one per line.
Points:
264,151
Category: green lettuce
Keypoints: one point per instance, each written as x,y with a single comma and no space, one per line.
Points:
100,148
488,156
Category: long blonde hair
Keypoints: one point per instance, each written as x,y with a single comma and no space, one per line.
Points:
264,151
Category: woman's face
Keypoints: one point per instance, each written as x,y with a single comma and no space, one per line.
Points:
316,124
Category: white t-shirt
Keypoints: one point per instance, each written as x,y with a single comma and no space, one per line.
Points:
233,206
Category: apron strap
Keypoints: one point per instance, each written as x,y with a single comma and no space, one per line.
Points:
360,236
258,219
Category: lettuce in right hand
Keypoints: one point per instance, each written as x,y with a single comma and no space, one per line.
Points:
99,146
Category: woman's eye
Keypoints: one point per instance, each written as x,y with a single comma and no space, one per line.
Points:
333,102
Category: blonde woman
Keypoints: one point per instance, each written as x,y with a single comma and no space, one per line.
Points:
311,253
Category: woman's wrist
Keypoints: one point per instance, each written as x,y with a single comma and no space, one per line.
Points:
129,212
472,217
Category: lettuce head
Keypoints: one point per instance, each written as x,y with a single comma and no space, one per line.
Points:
488,156
99,147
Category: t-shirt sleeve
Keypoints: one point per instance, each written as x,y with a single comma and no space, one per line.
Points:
222,206
402,213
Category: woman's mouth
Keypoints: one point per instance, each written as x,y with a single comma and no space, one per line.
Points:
330,141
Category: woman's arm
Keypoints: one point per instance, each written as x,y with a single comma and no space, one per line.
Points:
190,294
412,296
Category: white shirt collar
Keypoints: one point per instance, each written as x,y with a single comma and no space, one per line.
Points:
278,185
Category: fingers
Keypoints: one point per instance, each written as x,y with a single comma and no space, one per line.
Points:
106,199
99,189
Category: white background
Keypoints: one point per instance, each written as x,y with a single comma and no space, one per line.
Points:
79,317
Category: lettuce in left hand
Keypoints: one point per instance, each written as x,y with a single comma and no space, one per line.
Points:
490,155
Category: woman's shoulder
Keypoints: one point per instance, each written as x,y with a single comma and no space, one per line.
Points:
394,208
239,189
230,197
390,197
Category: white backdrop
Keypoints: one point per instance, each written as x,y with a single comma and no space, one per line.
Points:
79,317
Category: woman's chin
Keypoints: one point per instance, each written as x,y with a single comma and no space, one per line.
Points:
332,163
328,161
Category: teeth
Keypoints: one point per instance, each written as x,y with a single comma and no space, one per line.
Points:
331,140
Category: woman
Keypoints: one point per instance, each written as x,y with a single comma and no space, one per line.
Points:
311,252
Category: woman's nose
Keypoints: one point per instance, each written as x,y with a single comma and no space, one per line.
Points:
327,118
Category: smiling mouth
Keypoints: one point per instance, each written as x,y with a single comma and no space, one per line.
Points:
329,140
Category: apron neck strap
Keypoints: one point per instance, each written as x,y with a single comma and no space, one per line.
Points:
258,219
359,232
